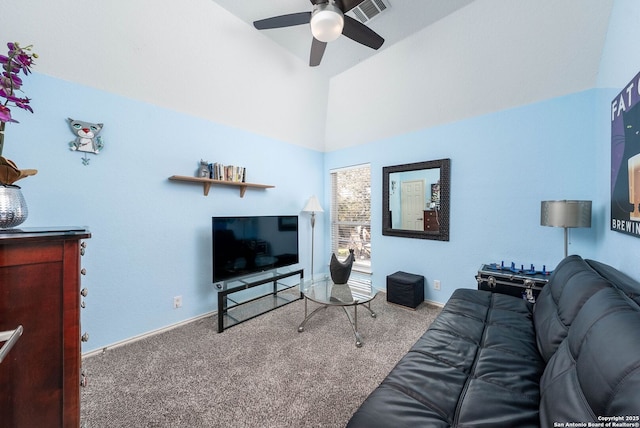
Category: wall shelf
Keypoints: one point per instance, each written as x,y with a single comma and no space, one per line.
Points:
207,182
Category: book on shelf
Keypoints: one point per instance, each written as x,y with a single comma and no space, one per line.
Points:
222,172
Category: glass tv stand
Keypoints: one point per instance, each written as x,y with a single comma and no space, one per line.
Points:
242,299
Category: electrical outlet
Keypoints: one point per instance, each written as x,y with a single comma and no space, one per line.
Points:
177,302
436,284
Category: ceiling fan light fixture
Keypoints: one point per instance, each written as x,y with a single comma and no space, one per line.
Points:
327,22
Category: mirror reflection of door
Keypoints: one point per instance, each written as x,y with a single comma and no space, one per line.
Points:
429,216
412,204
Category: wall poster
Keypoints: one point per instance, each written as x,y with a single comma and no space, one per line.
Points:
625,160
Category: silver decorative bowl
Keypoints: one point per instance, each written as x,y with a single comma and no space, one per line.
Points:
13,207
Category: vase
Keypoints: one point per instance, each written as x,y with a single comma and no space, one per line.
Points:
340,271
13,207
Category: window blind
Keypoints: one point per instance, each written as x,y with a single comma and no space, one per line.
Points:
351,215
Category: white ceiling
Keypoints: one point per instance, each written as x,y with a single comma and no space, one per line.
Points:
401,19
198,58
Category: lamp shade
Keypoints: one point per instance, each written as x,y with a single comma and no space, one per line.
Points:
313,206
326,22
565,213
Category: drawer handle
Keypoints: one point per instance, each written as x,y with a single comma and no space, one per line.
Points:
10,338
85,337
84,292
83,271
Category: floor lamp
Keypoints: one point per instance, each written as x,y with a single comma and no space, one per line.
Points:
313,207
565,214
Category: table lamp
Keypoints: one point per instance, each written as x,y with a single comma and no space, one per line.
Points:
566,214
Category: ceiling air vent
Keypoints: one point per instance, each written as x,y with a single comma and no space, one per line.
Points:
368,9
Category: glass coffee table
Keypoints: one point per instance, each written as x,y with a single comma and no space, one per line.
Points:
323,291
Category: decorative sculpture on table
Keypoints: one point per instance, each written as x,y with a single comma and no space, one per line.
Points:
340,271
87,138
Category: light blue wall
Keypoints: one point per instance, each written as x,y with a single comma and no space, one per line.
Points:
620,63
502,166
151,237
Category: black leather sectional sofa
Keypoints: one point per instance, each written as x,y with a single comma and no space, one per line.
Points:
492,360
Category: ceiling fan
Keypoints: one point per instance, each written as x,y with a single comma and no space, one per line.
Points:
328,21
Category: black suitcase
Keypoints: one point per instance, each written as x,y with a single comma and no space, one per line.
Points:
511,281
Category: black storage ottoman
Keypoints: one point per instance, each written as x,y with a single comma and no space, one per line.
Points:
405,289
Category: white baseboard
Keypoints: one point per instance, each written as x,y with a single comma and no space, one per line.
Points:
179,324
434,303
146,335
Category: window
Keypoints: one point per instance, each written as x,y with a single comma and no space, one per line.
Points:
351,217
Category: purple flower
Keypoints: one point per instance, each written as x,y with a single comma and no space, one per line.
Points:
18,59
10,80
5,114
23,103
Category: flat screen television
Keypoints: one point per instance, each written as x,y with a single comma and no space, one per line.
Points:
246,245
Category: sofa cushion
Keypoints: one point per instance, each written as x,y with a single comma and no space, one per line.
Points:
572,283
477,365
621,281
596,370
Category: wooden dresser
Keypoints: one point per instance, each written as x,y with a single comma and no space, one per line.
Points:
40,291
431,221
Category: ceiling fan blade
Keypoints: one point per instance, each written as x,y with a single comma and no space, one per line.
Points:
317,50
347,5
344,5
358,32
283,21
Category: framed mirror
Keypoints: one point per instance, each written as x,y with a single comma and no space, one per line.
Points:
415,200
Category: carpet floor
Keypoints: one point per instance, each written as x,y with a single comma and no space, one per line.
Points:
262,373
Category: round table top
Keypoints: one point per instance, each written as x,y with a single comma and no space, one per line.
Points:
322,290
